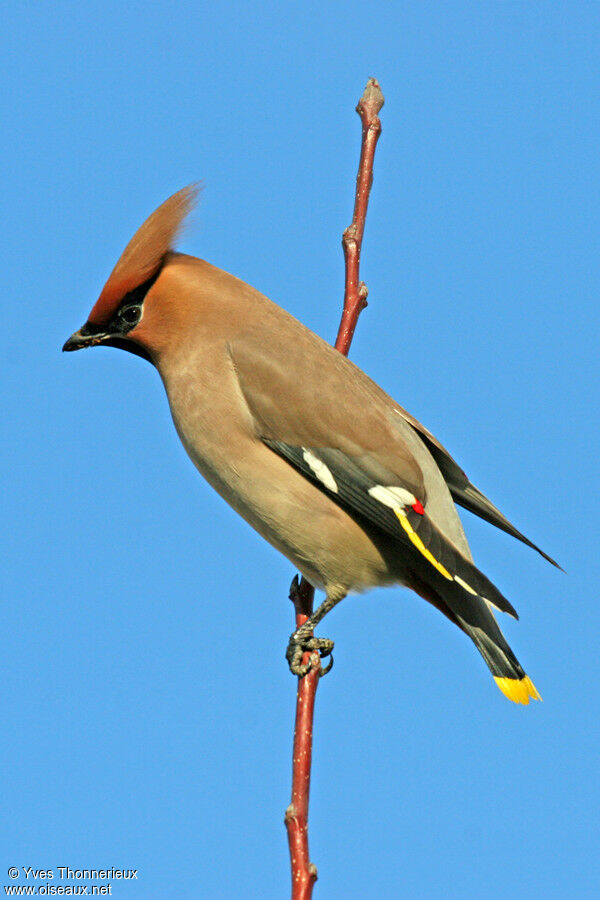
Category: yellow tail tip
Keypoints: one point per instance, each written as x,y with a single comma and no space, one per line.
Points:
519,690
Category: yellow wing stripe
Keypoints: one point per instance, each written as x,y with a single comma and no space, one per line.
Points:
519,690
463,584
416,540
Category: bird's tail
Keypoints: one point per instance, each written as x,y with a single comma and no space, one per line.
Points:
508,673
472,614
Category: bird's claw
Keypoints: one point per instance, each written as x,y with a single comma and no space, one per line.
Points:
301,643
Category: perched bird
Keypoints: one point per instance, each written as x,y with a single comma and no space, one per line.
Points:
300,442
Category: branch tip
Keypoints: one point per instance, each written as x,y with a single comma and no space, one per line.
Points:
302,595
371,101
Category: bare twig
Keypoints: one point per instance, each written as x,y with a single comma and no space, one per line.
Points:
355,298
304,873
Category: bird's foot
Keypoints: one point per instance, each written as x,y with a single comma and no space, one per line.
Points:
302,641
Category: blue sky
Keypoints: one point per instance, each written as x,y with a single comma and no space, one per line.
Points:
146,704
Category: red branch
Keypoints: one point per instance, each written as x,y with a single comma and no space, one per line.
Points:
304,873
355,298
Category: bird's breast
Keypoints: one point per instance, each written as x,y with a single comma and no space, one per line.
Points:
219,434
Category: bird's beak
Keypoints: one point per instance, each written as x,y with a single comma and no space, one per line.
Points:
90,335
83,338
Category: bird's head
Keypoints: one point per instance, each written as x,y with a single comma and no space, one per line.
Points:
128,313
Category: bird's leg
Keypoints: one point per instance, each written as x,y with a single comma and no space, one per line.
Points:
302,640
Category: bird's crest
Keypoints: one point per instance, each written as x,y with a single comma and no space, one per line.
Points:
144,254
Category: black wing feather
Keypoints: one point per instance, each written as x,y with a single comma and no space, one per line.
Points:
353,483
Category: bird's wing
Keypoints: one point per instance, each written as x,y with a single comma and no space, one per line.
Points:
340,437
303,393
463,492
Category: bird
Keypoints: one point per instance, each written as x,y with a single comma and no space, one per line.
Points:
310,451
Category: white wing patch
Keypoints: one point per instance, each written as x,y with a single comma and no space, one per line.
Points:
320,469
394,497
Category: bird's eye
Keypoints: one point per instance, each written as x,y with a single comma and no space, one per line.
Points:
131,314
